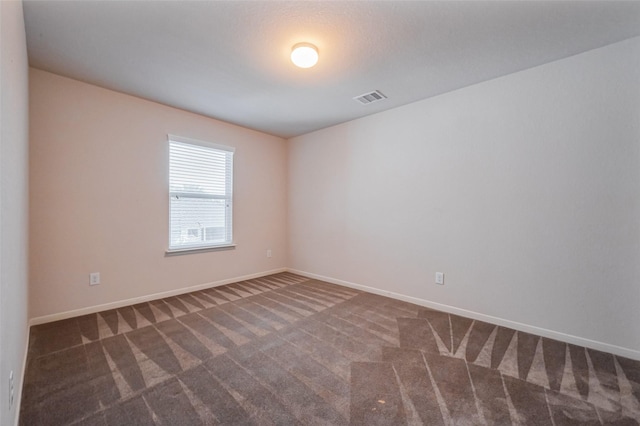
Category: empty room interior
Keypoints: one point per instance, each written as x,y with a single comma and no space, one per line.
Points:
320,213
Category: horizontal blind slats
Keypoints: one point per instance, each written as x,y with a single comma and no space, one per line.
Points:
200,188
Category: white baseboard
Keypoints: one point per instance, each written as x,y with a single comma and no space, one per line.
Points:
568,338
17,399
127,302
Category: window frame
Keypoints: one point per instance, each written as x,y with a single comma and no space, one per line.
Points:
230,243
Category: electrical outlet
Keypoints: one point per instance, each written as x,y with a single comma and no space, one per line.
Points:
11,389
268,252
94,278
440,278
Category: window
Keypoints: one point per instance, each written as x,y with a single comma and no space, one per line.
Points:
200,190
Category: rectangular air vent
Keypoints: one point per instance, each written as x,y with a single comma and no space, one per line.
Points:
370,97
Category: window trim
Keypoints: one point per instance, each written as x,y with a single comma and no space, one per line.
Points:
219,247
199,248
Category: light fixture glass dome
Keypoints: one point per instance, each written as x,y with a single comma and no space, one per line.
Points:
304,55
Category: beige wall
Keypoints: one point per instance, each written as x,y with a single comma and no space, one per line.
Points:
99,202
13,204
523,190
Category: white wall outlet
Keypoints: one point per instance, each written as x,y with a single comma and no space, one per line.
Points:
268,252
440,278
11,389
94,278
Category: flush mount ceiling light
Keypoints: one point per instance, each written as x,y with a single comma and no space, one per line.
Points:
304,55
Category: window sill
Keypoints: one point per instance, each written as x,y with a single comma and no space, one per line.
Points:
178,252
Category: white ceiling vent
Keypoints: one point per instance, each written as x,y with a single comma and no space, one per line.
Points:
369,98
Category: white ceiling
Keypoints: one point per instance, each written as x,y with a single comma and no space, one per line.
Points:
230,59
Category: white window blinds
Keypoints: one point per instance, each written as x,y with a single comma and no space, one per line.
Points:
200,190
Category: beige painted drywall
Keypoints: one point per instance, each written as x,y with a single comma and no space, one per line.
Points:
14,140
523,190
99,201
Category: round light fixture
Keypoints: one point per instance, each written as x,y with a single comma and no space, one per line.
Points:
304,55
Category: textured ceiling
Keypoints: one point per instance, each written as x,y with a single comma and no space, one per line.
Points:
230,60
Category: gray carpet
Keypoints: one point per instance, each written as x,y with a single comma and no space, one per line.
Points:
286,350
